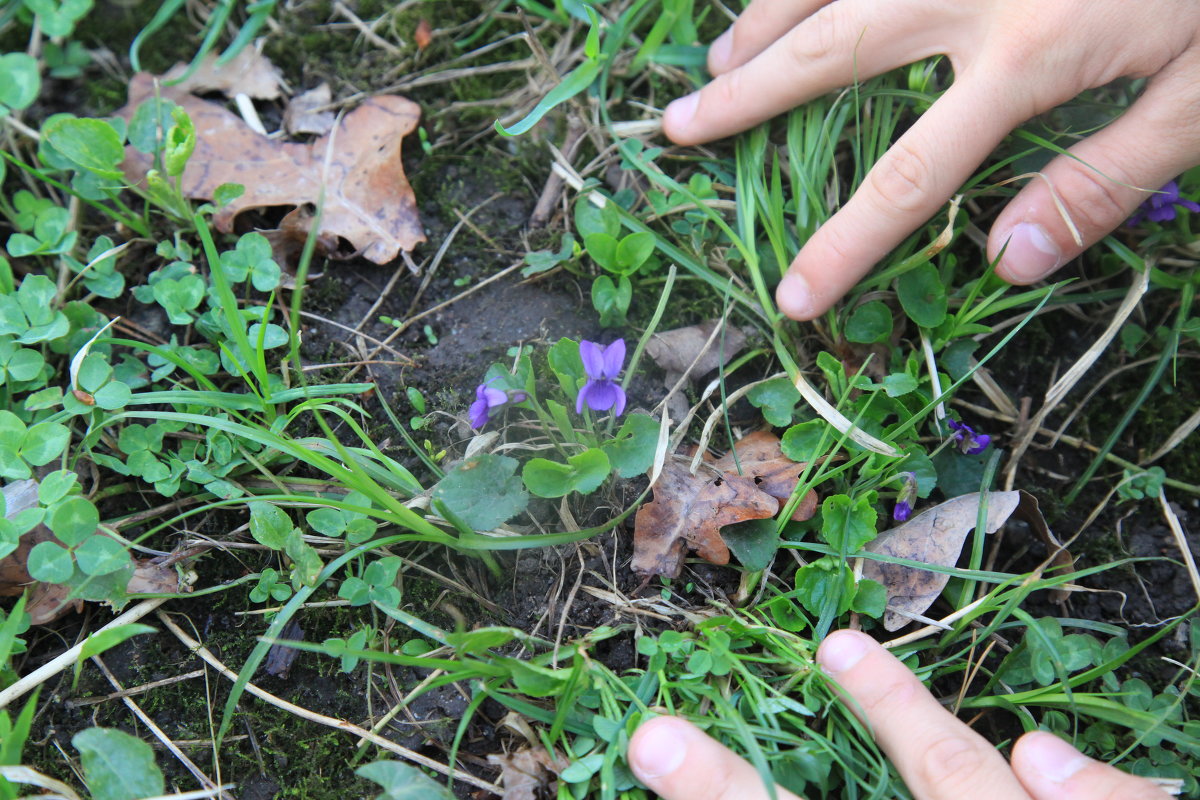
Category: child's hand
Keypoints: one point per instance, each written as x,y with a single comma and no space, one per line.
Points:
939,757
1012,59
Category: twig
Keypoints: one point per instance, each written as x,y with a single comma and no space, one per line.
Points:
340,724
136,690
207,783
66,659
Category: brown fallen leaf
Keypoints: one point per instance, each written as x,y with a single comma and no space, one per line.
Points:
309,112
527,771
688,511
759,455
1061,559
934,537
423,35
675,350
368,200
249,73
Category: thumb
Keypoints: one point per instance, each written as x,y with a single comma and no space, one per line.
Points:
1051,769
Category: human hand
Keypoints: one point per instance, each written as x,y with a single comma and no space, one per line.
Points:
1012,59
939,756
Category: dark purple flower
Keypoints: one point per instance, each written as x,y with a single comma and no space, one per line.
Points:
486,399
602,364
969,442
905,499
1161,205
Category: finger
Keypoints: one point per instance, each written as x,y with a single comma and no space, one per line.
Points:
758,26
1104,180
1050,769
679,762
901,192
938,755
837,44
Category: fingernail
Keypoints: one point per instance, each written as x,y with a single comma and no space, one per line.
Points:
794,296
1031,254
680,112
841,650
720,51
660,749
1053,758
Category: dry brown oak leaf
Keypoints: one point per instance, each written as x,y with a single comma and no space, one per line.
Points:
368,200
688,511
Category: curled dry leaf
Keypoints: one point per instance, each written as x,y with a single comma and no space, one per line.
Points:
933,537
675,350
527,772
688,511
368,200
309,112
249,73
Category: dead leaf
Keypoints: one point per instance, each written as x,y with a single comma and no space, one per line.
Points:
19,496
423,36
933,537
249,73
309,112
1061,559
525,772
688,510
675,350
368,201
759,455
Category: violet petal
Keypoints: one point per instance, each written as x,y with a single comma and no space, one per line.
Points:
593,359
603,395
614,358
493,397
479,414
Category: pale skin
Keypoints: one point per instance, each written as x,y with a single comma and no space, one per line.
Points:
939,757
1012,59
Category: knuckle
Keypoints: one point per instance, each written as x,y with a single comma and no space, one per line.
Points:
902,179
1095,203
817,38
951,760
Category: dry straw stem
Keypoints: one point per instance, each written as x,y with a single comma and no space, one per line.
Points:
1061,387
1185,429
66,659
1181,540
838,420
339,724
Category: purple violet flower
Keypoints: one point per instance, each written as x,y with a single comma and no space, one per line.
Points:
969,442
905,499
486,399
602,364
1160,207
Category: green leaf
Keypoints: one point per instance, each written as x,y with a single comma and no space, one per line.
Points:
73,519
149,124
117,766
583,473
56,485
802,442
44,442
754,542
631,452
899,384
50,563
181,141
403,782
845,525
564,360
326,521
602,248
100,555
92,145
474,642
825,585
870,598
113,395
611,300
306,562
871,322
634,250
777,398
269,524
20,82
484,491
575,82
923,296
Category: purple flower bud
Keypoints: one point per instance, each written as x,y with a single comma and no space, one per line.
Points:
969,442
1161,206
905,499
602,365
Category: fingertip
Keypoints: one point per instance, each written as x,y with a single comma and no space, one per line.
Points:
794,296
1044,758
842,650
658,747
1027,252
678,116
